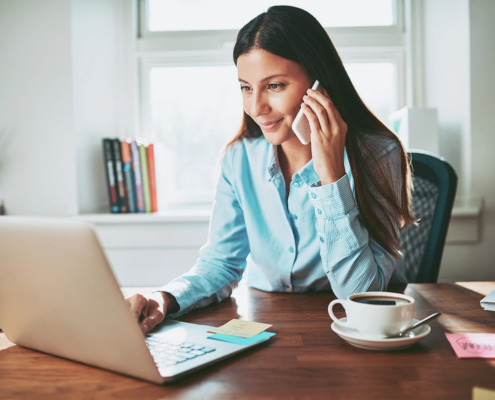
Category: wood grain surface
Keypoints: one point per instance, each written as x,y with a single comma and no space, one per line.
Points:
305,360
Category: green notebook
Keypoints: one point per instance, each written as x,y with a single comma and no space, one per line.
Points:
146,181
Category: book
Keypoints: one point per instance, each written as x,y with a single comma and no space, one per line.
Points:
138,183
119,174
128,178
110,176
145,177
152,177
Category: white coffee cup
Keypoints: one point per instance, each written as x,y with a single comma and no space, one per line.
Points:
376,315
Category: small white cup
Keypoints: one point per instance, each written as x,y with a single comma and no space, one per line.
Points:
373,320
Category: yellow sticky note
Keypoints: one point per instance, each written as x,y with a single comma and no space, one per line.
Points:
239,328
483,394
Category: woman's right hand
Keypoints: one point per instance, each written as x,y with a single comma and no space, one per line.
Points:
152,306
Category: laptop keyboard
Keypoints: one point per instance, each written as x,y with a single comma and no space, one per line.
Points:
167,353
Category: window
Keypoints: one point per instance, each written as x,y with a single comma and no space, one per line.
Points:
189,95
379,93
198,15
194,123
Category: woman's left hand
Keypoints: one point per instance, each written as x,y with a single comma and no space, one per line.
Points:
328,131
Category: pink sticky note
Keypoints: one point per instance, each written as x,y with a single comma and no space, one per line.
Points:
473,345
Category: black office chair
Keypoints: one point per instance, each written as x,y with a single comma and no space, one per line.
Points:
435,184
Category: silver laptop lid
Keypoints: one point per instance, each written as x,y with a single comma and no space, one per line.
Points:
58,295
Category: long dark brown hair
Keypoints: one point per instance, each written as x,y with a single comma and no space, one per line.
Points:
295,35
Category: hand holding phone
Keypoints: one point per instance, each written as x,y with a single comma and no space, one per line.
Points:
300,126
327,133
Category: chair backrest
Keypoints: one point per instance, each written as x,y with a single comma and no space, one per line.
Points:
435,184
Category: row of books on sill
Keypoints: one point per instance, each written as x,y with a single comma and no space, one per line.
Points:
130,173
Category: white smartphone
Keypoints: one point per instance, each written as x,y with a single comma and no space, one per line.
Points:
300,126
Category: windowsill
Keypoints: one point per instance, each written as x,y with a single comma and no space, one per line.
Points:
176,215
462,214
183,228
464,225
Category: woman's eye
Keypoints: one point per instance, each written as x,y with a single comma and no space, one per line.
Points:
276,86
244,88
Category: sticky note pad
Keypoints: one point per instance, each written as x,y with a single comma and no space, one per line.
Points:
244,341
239,328
473,345
483,394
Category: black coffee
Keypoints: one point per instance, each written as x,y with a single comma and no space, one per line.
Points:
381,301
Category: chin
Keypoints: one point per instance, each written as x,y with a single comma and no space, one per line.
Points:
273,140
277,137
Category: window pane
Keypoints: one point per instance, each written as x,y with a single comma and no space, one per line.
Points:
194,113
194,15
376,84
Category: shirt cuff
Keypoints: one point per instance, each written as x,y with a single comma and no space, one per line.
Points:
179,289
333,200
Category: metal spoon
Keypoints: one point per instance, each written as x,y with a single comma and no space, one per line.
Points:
407,331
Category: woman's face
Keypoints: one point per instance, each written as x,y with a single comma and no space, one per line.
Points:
272,91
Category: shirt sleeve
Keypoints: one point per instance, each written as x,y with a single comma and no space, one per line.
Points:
352,260
223,258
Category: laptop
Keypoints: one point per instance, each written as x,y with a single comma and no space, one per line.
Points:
58,295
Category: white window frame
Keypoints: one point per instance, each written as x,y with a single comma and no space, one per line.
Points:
394,56
199,48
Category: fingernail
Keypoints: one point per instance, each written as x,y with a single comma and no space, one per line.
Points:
145,328
310,90
306,97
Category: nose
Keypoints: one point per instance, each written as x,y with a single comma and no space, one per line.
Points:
259,104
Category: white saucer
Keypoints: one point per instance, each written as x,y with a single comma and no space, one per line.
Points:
357,339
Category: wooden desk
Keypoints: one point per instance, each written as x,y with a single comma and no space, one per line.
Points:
306,359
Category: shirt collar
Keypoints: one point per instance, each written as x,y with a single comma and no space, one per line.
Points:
273,164
306,173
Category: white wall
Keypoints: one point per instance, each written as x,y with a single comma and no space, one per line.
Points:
66,82
459,69
446,84
37,157
482,16
476,262
102,82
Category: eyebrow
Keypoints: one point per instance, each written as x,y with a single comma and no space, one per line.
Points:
265,79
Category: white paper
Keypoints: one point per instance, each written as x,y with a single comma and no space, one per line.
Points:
488,302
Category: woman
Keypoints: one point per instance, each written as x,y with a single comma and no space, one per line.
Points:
324,216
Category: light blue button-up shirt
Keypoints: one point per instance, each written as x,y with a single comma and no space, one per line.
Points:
314,240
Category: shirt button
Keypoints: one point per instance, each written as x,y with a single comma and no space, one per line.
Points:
321,240
291,249
294,217
319,211
296,184
313,195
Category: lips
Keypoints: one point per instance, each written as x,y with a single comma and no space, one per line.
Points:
269,125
